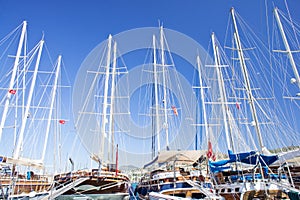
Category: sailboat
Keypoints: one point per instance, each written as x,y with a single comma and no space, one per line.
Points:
246,174
99,112
24,174
172,173
290,50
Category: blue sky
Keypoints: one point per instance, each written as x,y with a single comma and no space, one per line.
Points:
74,28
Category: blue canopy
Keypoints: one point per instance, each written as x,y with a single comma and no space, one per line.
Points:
215,169
240,157
251,158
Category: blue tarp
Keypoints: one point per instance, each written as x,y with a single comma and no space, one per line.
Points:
251,157
219,163
240,157
215,169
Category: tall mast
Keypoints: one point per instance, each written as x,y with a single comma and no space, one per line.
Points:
156,95
287,47
112,96
53,95
247,81
24,120
202,97
13,77
166,126
222,90
23,88
104,110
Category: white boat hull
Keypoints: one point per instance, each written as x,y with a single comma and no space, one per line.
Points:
117,196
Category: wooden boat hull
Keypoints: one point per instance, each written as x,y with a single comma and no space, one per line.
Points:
98,186
94,183
23,187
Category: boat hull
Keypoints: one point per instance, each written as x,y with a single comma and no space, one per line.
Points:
182,193
98,186
251,190
23,187
117,196
93,183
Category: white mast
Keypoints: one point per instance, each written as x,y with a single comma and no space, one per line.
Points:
222,92
156,95
166,126
13,76
104,110
54,90
24,120
23,88
247,82
287,47
112,96
202,98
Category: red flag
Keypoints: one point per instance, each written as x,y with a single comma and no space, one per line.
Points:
61,121
174,110
209,152
213,157
237,105
11,91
